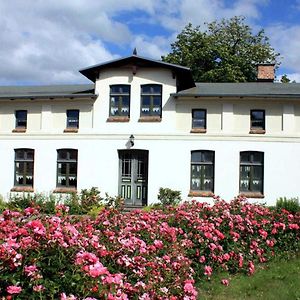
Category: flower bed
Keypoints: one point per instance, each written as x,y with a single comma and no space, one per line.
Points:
140,255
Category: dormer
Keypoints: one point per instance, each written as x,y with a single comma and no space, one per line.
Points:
135,63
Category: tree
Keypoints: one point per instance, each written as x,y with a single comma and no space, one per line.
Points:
227,51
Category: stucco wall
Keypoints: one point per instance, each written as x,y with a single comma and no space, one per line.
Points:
169,164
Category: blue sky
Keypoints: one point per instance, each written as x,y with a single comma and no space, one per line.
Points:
47,42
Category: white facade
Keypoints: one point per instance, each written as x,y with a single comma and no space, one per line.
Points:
168,142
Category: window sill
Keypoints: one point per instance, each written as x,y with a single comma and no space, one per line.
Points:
257,131
252,195
118,119
200,194
28,189
71,130
198,130
64,190
19,130
150,119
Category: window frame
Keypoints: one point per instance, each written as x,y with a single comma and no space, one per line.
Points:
68,161
202,192
26,162
251,163
70,118
18,119
258,129
121,96
151,115
199,129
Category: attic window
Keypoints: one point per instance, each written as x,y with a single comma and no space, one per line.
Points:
151,100
119,100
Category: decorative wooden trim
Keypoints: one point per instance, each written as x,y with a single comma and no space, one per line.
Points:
150,119
118,119
19,129
70,130
200,194
252,195
28,189
198,130
257,131
65,190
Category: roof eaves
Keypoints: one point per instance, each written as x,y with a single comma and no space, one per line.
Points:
50,97
181,95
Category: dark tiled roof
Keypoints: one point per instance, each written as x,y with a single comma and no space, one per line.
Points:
183,74
47,91
249,89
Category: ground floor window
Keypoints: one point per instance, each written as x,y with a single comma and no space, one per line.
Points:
67,168
202,170
24,162
251,171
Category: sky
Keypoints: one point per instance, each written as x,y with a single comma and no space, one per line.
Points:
47,42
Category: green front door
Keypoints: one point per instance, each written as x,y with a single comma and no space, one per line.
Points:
133,176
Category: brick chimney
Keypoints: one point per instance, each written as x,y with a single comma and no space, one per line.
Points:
266,72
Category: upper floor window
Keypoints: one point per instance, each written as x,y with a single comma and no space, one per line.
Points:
151,98
202,171
257,119
21,119
67,168
73,118
251,172
198,120
119,100
24,161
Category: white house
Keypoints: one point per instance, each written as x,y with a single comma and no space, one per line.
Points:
144,124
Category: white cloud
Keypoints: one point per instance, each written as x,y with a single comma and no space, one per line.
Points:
286,40
49,41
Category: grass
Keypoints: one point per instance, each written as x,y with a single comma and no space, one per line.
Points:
279,279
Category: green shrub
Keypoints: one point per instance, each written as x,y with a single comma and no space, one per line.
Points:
3,204
167,196
289,204
116,202
20,201
90,198
95,210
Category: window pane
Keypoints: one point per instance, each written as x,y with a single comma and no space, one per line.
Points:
151,89
21,118
29,154
257,119
62,154
199,118
19,154
72,169
196,156
258,157
73,118
208,156
120,89
146,100
73,154
156,101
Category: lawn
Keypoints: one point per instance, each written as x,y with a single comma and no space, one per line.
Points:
279,279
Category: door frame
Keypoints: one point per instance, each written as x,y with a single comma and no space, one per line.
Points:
135,188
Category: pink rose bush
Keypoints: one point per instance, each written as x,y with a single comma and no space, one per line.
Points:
139,255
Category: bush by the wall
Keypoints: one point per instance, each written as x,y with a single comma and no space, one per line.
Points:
167,196
290,204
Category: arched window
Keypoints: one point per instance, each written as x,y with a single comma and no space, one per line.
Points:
251,171
202,170
67,168
24,165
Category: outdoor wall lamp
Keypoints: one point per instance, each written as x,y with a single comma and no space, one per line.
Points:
131,140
